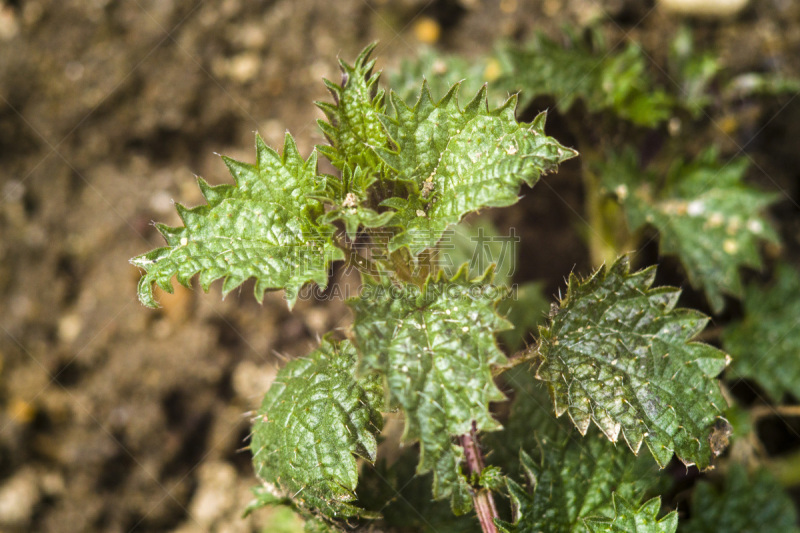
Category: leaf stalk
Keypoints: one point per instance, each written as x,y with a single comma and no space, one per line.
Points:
482,498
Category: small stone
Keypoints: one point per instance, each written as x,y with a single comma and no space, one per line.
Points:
251,381
215,493
18,498
9,24
703,8
244,67
69,327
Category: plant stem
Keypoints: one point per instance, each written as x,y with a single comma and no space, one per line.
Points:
601,251
763,411
526,355
607,234
482,498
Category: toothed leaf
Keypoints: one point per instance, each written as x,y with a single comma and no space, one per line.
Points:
765,345
458,161
354,126
312,423
264,227
602,78
618,354
434,347
571,479
630,519
705,214
605,79
744,503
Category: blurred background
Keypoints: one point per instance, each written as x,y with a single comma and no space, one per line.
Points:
114,417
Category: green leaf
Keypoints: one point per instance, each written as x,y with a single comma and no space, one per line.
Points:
458,161
744,503
315,418
491,477
629,519
434,348
692,70
354,126
586,70
263,227
765,345
403,497
617,354
573,479
705,214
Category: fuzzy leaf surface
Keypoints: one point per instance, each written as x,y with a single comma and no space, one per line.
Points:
617,353
354,126
765,345
434,347
630,519
263,227
456,161
312,423
705,215
746,503
571,479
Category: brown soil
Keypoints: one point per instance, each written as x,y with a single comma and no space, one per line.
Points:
114,417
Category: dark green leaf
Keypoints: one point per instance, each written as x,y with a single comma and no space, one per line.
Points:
744,503
618,354
434,347
602,78
572,479
705,214
628,519
315,418
765,345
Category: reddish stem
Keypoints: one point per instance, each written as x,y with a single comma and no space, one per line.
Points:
482,499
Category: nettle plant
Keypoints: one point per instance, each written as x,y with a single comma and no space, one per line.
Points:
615,354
